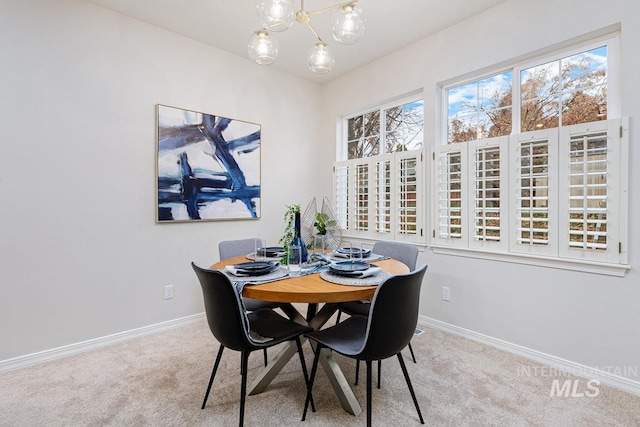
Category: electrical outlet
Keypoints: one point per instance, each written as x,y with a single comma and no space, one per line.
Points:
168,292
446,293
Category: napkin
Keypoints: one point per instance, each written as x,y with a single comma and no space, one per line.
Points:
371,271
316,260
340,255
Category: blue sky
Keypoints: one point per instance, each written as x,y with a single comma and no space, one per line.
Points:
479,92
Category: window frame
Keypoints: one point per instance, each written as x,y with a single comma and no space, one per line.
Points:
345,191
611,40
555,255
342,134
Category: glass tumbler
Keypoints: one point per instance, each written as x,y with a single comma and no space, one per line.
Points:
295,260
260,254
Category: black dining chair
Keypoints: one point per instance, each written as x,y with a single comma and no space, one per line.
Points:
240,330
384,333
232,248
403,252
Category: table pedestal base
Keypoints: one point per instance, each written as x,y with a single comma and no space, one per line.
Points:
334,373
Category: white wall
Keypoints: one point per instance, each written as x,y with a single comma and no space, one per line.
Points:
589,319
81,256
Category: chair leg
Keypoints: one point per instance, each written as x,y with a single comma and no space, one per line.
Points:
413,395
304,371
264,351
357,371
213,375
369,397
243,387
413,356
314,369
338,318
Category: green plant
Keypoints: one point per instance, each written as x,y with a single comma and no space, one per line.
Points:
322,222
289,228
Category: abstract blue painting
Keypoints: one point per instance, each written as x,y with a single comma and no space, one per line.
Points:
208,167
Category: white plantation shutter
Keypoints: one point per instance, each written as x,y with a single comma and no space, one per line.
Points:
361,191
381,197
556,194
383,194
588,191
590,186
488,210
534,173
450,169
341,193
409,167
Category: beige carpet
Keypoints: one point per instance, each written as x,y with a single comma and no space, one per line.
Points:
159,380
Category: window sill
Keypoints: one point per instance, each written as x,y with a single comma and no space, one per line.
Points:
618,270
372,240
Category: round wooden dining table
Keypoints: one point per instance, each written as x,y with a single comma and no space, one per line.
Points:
313,290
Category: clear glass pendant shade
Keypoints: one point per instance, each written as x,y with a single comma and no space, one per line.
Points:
276,15
348,24
263,48
321,59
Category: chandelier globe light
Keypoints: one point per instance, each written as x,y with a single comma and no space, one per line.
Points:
321,59
263,47
276,15
348,24
347,27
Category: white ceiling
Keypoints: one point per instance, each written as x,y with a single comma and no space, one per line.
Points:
229,24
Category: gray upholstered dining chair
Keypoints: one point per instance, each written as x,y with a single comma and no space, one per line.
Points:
384,333
403,252
238,330
232,248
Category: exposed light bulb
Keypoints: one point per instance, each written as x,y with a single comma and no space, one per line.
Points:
348,24
321,59
263,48
276,15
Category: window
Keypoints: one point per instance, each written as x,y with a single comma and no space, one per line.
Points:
379,187
565,91
480,109
533,164
569,89
399,130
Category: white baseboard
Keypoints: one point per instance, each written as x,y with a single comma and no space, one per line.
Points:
604,377
68,350
564,365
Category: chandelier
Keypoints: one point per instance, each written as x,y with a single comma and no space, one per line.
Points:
347,26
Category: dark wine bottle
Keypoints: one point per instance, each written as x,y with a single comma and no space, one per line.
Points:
297,239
